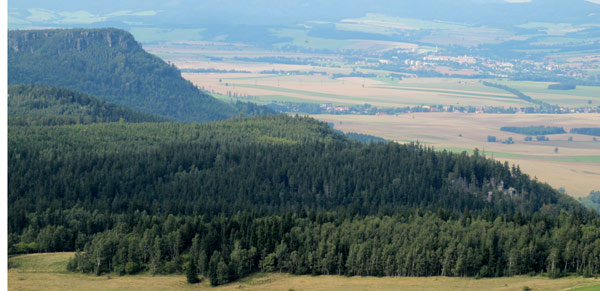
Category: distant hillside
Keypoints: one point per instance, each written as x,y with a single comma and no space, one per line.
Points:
110,64
296,156
45,105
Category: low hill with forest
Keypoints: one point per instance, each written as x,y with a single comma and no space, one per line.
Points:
281,193
110,64
45,105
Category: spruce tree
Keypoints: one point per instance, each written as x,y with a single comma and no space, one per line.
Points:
191,272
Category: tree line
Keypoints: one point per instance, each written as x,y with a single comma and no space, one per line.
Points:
514,91
595,131
411,243
534,130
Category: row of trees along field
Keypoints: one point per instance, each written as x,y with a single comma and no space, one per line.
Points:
595,131
534,130
280,193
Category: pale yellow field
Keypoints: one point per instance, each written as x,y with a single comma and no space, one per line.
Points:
354,90
576,165
46,272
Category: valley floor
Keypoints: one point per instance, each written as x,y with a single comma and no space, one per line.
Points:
48,272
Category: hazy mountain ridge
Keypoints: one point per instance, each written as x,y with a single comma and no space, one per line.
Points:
265,12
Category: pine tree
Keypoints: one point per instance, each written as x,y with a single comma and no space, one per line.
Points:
191,272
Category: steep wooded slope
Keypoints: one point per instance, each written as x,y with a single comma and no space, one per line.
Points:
110,64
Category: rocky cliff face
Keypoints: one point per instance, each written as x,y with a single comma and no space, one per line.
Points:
70,39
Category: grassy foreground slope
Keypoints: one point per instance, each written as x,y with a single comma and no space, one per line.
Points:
31,272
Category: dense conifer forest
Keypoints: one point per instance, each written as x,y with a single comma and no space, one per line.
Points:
44,105
111,65
279,193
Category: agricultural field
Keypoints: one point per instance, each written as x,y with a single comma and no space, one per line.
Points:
47,272
296,73
314,81
581,96
378,91
384,91
575,167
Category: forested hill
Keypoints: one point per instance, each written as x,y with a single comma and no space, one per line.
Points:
110,64
283,193
271,163
45,105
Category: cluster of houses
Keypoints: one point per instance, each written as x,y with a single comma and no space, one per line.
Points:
328,108
495,67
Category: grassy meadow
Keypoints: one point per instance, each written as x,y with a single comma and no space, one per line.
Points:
47,272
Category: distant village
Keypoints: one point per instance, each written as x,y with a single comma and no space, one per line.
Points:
328,108
367,109
420,61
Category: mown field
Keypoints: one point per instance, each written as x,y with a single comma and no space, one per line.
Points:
575,167
377,91
47,272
